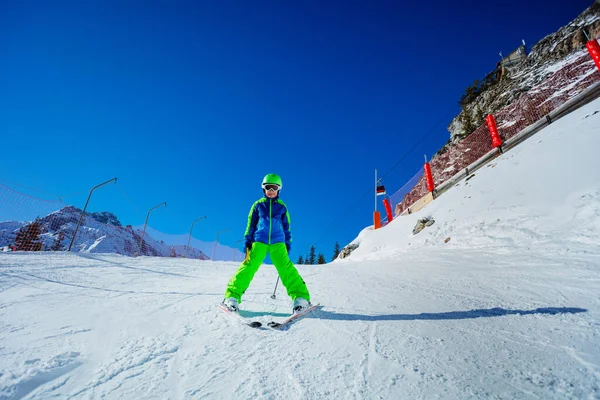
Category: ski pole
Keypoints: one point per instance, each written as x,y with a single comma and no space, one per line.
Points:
276,283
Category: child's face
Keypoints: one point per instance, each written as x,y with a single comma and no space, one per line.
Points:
271,190
271,194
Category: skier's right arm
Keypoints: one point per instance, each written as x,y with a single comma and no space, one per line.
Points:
251,228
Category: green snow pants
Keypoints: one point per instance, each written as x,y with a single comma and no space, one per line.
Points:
290,278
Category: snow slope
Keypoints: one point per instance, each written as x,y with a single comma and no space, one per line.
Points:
508,308
543,194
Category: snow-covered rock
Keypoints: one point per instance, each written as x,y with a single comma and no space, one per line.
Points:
94,236
545,58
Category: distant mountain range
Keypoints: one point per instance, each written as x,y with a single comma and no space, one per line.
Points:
103,233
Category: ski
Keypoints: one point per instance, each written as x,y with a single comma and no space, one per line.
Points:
292,318
239,318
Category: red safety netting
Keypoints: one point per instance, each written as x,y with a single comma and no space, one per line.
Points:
29,223
576,74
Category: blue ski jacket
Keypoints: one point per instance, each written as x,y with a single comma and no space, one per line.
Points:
269,222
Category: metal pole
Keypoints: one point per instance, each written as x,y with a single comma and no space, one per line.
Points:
84,208
375,189
146,223
217,242
276,283
586,35
235,248
190,237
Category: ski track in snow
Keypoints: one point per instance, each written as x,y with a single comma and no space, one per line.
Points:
509,307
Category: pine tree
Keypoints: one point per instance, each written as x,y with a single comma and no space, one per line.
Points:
471,93
300,260
312,259
467,122
28,238
336,251
476,88
479,117
58,240
321,259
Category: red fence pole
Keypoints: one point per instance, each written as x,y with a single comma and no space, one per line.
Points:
376,220
491,123
388,210
594,49
430,184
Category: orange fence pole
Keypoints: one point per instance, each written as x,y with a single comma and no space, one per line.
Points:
376,219
388,210
594,49
429,176
491,123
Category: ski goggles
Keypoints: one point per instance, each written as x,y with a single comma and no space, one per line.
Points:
271,188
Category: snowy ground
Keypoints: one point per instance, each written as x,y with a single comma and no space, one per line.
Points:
509,307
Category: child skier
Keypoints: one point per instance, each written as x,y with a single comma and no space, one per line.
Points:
268,231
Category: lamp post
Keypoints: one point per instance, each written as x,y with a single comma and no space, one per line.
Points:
235,248
146,223
84,208
190,237
217,242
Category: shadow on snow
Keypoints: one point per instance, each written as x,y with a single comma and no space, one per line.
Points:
451,315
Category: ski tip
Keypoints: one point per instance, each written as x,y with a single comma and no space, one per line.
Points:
274,325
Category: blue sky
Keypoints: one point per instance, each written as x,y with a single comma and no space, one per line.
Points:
192,103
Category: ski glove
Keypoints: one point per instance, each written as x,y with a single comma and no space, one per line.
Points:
288,247
248,245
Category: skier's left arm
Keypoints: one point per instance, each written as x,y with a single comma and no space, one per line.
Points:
251,228
286,229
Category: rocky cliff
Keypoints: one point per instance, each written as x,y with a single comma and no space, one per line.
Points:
511,84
